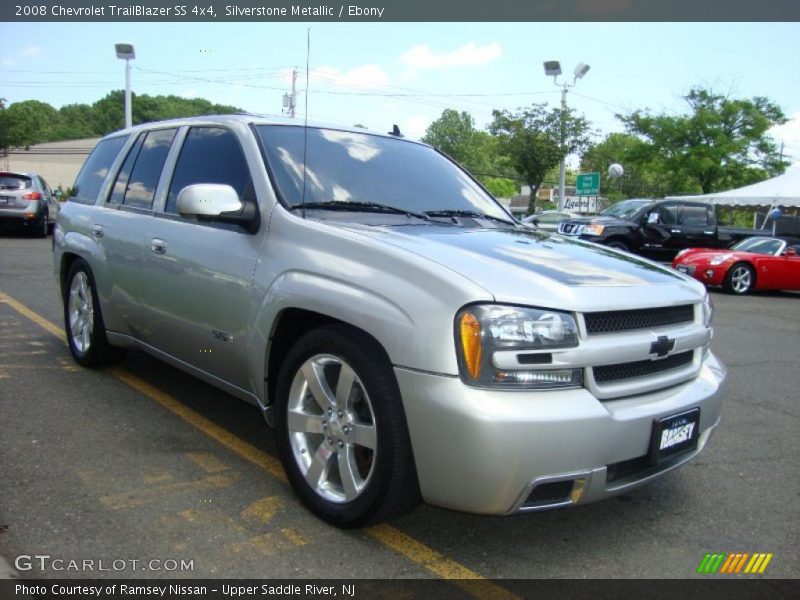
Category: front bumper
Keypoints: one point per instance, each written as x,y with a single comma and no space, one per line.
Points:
493,452
706,274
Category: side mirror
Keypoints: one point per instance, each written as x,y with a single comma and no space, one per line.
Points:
208,200
790,252
217,202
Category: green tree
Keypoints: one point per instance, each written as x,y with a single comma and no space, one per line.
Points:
454,133
536,139
30,122
645,174
721,143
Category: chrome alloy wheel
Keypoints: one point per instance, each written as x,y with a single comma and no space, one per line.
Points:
331,428
81,312
741,279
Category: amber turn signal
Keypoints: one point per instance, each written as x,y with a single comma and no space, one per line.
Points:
471,344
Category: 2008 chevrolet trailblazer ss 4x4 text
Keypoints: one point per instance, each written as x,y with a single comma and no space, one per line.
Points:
405,336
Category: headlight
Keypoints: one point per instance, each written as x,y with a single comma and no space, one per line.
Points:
593,229
483,330
708,311
719,259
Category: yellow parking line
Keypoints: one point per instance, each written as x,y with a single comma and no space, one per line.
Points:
389,536
36,318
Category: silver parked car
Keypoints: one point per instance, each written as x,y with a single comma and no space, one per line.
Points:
404,335
26,203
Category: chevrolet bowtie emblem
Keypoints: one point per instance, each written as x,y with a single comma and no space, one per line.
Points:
662,346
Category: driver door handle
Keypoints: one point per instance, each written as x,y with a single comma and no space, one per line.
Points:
158,246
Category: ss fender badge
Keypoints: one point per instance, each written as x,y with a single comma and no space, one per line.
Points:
222,336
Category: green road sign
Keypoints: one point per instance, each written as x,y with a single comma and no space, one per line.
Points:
588,184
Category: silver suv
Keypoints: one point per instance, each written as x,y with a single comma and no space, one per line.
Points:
26,203
404,335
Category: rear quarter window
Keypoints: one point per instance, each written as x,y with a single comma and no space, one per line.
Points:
95,169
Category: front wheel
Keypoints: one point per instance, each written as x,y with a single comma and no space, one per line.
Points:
740,279
83,321
341,429
618,245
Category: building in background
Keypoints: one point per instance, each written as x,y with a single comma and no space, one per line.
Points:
57,162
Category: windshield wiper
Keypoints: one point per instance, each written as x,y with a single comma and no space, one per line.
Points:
466,213
361,207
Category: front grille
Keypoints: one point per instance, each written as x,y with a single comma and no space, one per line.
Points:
641,368
631,320
550,493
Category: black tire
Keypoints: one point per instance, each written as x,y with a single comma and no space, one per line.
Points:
98,352
391,488
618,245
42,228
740,279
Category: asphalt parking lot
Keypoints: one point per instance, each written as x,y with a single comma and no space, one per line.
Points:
142,463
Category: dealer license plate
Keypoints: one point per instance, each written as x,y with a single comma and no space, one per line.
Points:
674,434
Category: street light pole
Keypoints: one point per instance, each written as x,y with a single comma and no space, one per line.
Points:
552,68
128,107
126,52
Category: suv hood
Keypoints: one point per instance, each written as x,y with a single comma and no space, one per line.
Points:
529,267
601,220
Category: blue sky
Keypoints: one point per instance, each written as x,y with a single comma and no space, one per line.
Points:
385,73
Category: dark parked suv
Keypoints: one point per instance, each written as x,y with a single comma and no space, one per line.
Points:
27,203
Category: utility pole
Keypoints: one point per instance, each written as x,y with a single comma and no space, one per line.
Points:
290,100
293,99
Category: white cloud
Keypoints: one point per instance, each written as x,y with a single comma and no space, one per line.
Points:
31,51
7,62
468,55
365,77
192,93
414,127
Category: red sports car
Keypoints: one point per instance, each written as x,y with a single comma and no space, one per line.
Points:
756,263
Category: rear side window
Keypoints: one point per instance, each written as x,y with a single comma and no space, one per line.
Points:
210,155
141,185
696,216
14,182
124,175
95,169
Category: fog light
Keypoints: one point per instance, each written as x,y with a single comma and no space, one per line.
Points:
577,490
709,273
542,378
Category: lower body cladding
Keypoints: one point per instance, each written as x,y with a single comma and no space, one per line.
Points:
503,452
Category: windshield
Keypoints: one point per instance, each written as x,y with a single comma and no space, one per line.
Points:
625,210
759,245
348,167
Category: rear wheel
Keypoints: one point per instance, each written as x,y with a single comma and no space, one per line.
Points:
341,430
43,227
740,280
83,321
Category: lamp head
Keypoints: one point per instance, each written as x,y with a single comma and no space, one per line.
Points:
552,68
125,50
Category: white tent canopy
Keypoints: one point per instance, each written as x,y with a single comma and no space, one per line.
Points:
783,190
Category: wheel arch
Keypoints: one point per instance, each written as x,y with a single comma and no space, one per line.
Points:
289,325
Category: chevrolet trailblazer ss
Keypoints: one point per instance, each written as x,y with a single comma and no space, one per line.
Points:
407,338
